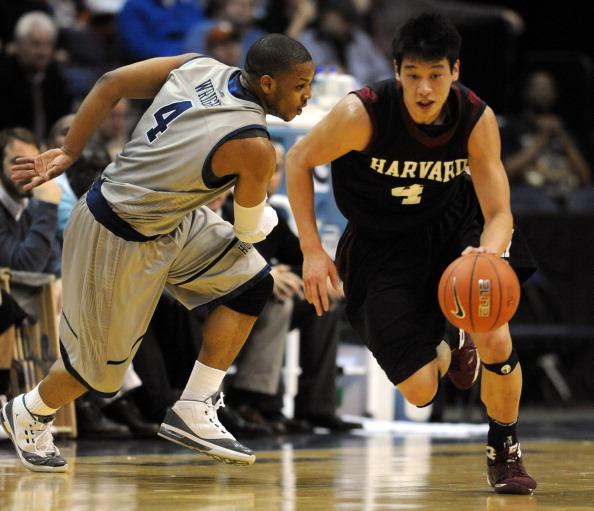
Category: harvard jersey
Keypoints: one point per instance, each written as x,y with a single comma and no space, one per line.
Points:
409,172
164,170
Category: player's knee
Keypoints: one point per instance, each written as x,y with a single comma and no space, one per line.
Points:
493,346
253,299
420,395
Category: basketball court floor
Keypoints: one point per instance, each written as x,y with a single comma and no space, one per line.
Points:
386,466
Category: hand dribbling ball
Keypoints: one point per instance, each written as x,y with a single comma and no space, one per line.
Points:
479,292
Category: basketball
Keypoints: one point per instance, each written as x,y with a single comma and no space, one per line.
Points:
479,292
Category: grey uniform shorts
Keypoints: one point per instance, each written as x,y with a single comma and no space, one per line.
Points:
111,286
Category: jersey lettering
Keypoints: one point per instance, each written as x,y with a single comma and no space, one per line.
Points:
412,194
165,116
207,95
441,171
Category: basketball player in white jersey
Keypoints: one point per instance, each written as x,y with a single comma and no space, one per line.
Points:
143,228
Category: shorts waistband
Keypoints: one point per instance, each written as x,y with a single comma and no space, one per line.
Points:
100,209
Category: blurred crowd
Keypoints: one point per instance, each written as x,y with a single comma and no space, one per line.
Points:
53,51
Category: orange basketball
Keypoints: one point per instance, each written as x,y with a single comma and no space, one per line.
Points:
479,292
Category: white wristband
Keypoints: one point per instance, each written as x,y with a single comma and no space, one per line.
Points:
248,219
254,224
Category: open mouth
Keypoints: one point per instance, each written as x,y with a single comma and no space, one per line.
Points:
425,104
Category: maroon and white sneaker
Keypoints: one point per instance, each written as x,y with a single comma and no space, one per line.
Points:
465,364
506,473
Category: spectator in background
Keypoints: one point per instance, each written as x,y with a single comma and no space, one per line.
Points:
106,143
78,178
11,11
290,17
56,138
11,314
156,28
33,89
93,44
336,40
239,13
113,131
538,149
28,220
224,44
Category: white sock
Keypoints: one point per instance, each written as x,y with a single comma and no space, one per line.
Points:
203,382
35,404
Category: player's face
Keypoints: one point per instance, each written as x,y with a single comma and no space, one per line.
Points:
13,150
290,91
426,86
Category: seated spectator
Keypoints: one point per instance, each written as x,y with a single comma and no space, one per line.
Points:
34,90
538,149
93,44
113,132
239,13
28,220
28,224
11,314
56,138
156,28
80,176
224,44
10,12
336,40
256,391
289,17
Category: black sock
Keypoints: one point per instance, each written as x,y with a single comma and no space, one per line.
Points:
501,435
4,380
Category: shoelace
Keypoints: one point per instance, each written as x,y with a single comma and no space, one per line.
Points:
43,439
211,413
515,467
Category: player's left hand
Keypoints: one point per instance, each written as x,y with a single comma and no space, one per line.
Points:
35,171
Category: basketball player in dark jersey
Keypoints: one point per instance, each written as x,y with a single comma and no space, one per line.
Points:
402,153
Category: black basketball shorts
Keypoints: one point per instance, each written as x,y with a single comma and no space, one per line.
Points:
391,284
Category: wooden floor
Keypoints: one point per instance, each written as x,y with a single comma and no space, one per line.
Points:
366,471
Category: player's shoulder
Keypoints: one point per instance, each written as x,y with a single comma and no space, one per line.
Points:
375,92
249,150
467,94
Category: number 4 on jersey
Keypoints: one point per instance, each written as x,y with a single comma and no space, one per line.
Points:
412,194
165,116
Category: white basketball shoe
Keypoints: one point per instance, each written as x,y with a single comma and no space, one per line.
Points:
195,424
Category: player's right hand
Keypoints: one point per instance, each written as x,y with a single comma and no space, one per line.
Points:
32,172
318,269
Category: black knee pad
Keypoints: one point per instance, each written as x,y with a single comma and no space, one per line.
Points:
434,397
503,368
254,298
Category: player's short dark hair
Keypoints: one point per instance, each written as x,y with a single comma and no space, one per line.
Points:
274,54
22,134
429,36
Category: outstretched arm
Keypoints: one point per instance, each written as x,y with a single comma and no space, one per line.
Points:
138,80
346,128
491,185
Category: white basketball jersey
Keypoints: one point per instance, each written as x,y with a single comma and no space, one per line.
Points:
164,170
